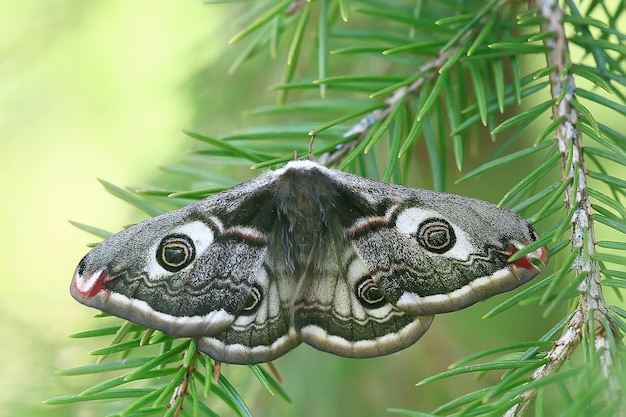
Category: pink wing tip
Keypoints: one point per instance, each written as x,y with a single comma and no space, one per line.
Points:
541,254
90,285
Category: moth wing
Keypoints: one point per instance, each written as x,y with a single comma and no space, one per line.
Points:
195,272
333,313
433,252
262,331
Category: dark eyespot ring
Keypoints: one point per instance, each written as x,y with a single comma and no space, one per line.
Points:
436,235
369,294
253,301
175,252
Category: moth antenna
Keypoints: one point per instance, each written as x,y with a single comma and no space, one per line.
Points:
274,372
311,157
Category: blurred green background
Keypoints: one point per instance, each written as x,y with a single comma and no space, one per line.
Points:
87,90
102,90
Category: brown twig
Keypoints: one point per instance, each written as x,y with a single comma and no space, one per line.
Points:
181,390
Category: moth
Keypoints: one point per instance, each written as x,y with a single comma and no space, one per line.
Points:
351,266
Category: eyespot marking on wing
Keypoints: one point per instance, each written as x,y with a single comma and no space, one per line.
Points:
182,244
435,233
369,294
175,252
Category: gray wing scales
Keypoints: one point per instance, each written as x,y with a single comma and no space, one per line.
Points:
335,313
126,275
195,272
434,253
262,331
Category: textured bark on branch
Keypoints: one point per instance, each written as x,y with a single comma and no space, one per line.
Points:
591,313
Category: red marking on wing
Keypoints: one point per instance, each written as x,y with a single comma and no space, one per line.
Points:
245,236
525,263
96,286
369,225
541,254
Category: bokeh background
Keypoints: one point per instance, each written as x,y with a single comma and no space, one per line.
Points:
102,90
87,90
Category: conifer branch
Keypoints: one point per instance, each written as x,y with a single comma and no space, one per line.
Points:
591,313
181,390
429,70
